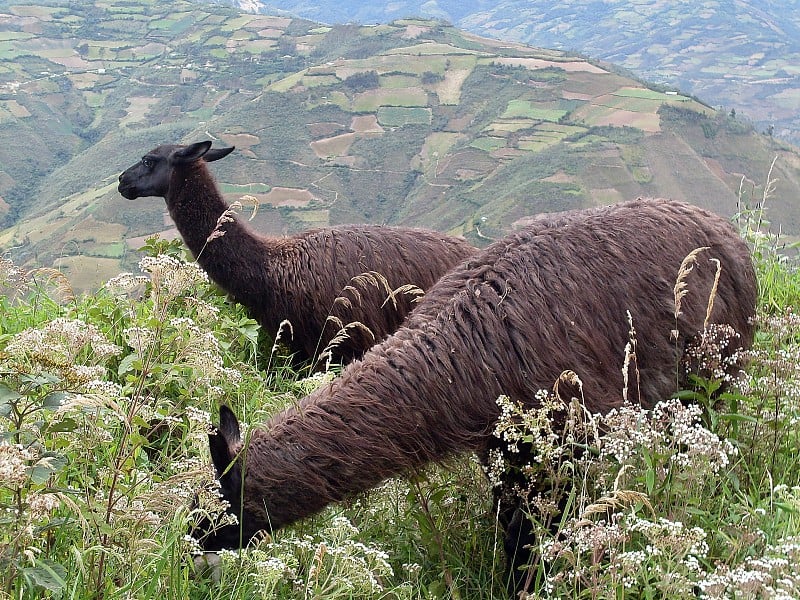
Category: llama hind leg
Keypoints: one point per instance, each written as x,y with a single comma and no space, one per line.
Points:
529,507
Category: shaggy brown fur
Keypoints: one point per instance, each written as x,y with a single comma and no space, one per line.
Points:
509,321
296,278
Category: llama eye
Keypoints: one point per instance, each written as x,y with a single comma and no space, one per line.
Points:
147,162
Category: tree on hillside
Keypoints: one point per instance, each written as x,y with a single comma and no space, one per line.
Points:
361,82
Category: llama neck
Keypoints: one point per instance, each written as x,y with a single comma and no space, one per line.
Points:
377,421
195,206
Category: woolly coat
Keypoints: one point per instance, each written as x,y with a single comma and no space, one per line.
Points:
297,278
552,297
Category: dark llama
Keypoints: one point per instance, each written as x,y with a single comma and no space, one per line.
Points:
296,278
552,297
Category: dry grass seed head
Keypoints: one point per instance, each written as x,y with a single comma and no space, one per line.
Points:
410,289
687,266
248,199
713,293
58,280
630,359
616,500
342,335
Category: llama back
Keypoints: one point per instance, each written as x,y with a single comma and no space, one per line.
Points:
367,279
549,298
559,291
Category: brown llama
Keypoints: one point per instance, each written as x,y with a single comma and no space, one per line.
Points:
552,297
297,278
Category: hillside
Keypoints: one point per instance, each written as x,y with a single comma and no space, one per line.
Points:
413,122
733,54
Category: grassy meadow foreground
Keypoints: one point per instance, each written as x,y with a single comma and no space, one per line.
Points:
106,400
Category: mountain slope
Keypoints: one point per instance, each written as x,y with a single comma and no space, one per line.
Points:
412,123
732,53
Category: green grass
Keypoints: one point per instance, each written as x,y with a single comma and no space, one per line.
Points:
488,143
388,97
530,110
397,116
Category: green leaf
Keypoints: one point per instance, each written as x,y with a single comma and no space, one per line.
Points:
47,574
46,466
787,506
7,394
7,399
737,417
687,395
126,365
63,425
54,399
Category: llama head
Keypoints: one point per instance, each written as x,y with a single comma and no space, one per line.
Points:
151,176
226,447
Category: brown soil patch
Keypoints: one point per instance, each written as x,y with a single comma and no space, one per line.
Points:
507,153
567,95
270,33
523,222
605,196
627,118
149,49
84,81
366,124
242,141
281,196
335,146
17,110
560,177
459,123
71,62
137,109
414,31
270,22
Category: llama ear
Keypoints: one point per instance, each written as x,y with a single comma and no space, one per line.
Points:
217,153
190,153
220,443
229,425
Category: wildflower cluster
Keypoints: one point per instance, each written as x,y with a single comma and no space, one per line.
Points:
540,435
626,551
714,354
13,279
672,430
62,347
774,574
775,368
332,564
605,536
96,434
171,274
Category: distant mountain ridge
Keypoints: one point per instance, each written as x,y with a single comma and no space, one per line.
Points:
413,122
734,54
